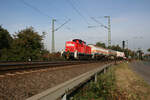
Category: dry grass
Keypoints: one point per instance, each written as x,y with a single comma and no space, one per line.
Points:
130,85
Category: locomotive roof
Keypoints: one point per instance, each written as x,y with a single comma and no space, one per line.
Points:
78,40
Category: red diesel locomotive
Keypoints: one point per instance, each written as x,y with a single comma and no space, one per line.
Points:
77,49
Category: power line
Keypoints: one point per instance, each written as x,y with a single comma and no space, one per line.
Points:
62,25
85,10
102,25
66,27
107,27
77,11
39,11
69,29
34,8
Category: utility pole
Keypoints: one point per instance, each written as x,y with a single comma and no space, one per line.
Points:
53,41
53,30
101,25
109,30
127,43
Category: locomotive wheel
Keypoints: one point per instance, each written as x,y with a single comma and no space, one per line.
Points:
68,56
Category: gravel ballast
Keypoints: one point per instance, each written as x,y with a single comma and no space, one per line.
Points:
22,86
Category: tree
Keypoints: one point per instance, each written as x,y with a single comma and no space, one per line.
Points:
5,38
148,50
27,45
140,54
99,44
5,44
115,47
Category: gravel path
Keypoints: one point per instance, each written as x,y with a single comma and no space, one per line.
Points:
22,86
143,69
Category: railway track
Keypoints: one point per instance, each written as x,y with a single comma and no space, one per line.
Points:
23,66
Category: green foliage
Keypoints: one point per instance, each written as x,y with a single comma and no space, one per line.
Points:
115,47
5,38
148,50
27,45
5,44
140,53
104,89
99,44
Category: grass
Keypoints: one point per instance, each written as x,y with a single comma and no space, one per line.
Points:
119,83
102,90
130,84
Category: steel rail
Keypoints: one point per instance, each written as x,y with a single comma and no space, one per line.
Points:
38,65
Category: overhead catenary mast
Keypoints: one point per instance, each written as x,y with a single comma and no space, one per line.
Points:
109,30
53,30
53,41
107,27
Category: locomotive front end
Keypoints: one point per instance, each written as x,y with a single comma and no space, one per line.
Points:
70,48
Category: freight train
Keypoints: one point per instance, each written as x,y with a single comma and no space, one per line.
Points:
78,49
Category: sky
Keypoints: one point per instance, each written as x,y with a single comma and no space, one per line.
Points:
130,20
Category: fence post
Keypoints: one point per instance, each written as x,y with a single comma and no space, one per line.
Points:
64,97
95,78
104,70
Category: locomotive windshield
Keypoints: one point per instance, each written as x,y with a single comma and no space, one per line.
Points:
80,41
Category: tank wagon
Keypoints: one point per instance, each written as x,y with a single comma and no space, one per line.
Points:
120,55
77,49
98,52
